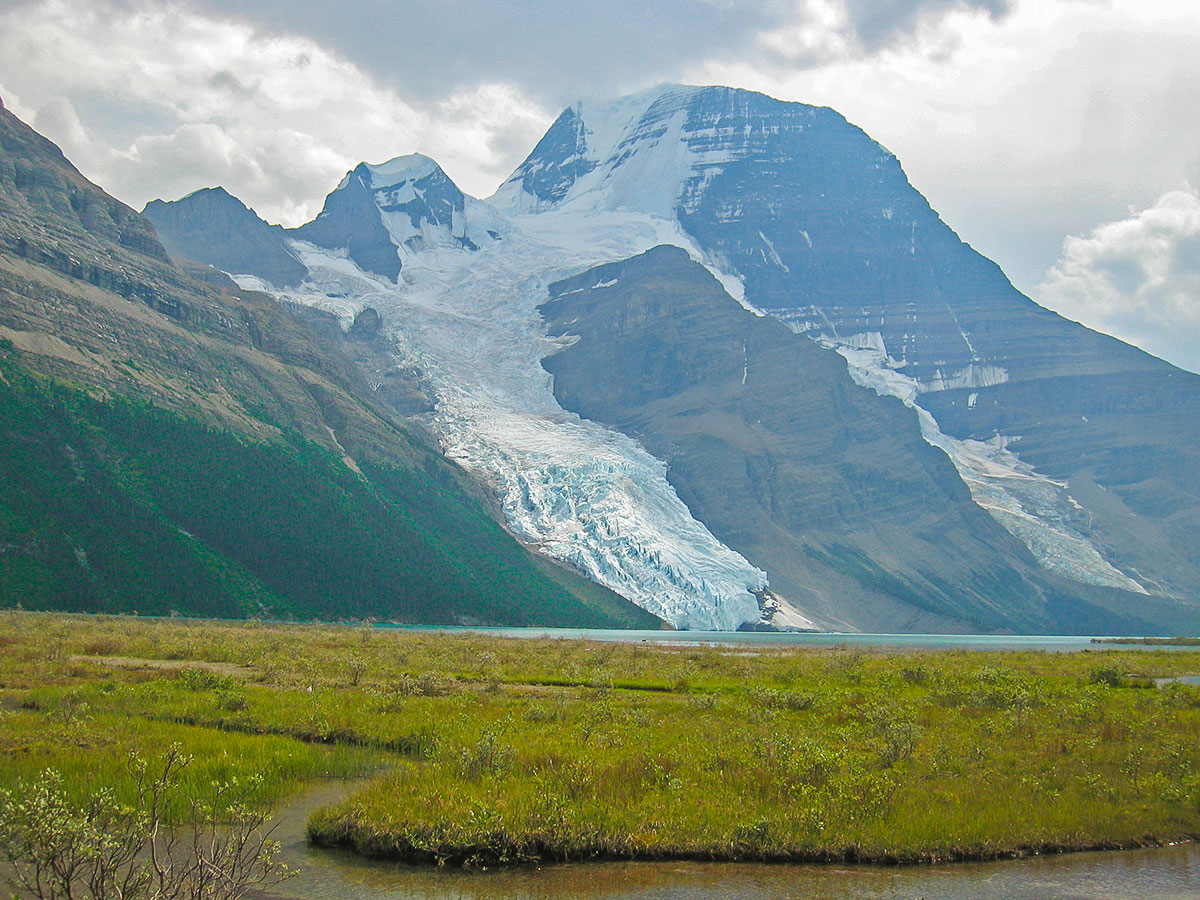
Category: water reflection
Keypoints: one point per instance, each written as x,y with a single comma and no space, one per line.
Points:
1168,873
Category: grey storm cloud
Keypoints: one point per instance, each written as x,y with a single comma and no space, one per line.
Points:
554,51
876,23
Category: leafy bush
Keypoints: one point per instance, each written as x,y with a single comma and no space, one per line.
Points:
1106,674
100,848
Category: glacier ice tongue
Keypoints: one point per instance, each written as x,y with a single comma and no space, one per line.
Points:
570,487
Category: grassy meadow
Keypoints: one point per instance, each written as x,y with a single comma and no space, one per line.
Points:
481,750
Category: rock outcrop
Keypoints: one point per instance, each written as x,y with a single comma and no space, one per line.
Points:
829,488
210,226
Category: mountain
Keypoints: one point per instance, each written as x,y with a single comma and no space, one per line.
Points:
831,489
379,214
214,228
174,445
1082,446
822,409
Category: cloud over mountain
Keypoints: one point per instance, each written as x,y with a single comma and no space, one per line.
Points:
191,101
1137,278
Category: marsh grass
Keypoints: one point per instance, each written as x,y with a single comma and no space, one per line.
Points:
508,751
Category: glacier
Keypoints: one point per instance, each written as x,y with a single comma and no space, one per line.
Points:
1034,508
568,487
609,181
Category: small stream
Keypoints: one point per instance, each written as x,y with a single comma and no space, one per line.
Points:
1166,873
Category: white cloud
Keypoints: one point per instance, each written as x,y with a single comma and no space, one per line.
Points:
13,104
58,117
499,123
159,101
1137,279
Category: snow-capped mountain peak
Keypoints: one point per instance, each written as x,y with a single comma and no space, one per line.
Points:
395,171
379,214
824,231
650,152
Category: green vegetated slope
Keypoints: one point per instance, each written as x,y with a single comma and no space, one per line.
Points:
121,506
171,445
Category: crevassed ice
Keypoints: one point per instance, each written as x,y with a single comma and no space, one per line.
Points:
572,488
1036,509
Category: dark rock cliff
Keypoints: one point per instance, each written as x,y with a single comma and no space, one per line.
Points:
827,487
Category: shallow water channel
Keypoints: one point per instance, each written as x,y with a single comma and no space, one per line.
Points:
1166,873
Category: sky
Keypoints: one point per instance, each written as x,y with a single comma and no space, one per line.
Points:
1058,137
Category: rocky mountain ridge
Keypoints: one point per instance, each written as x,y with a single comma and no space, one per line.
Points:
380,213
830,489
231,236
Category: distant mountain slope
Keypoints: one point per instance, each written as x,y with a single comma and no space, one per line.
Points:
829,488
212,227
168,445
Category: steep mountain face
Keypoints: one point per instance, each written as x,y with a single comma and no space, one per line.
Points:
829,488
52,213
1081,446
820,223
214,228
380,214
170,445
